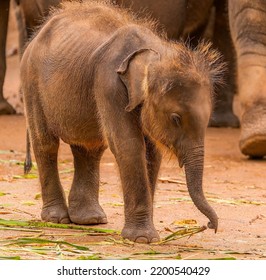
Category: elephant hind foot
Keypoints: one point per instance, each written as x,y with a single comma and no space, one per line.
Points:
253,132
6,108
254,146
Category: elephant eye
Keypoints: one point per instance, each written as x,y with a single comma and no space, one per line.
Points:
176,119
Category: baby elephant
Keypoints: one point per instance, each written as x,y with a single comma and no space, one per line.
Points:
94,76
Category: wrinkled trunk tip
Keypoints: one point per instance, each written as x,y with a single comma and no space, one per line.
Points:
213,225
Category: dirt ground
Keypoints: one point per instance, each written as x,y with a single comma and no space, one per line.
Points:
234,186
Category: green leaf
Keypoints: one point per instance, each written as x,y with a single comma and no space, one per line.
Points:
150,252
25,241
28,203
182,233
20,229
185,222
25,176
91,257
38,224
38,196
10,258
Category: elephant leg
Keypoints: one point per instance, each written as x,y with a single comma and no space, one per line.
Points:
153,157
84,205
5,107
45,146
131,159
248,25
22,30
223,115
126,141
130,153
253,129
54,205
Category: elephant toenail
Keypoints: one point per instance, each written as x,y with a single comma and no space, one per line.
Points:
155,239
103,221
142,239
65,221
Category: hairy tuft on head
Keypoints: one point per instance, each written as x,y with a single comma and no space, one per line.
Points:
210,61
202,65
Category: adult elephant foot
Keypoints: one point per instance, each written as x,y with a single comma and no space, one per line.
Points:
224,119
253,131
140,233
6,108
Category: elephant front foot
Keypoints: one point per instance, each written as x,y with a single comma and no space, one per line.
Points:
140,233
6,108
86,213
253,132
224,119
55,214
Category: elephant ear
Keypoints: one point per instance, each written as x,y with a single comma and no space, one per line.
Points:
133,72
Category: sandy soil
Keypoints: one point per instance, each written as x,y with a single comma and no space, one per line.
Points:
234,185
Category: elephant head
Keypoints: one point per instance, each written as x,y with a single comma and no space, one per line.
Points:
175,88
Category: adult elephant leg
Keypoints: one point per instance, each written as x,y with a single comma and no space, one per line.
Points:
22,32
248,27
153,157
84,205
29,15
223,115
5,107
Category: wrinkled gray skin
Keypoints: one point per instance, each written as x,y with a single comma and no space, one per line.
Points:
248,28
115,83
29,14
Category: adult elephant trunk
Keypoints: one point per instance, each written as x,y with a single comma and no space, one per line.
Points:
194,162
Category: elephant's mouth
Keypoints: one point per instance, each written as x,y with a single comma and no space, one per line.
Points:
180,157
175,151
180,161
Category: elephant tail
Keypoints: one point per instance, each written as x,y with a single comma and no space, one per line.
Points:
28,160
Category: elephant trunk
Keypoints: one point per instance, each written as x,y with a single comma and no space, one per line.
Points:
194,162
